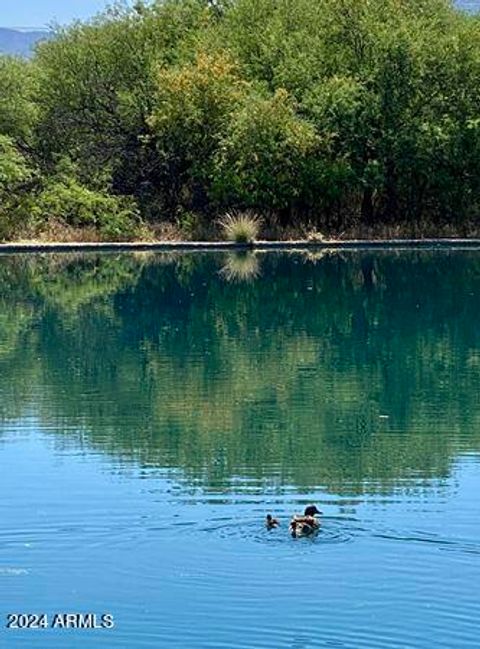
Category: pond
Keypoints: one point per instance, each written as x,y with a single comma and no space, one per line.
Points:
155,407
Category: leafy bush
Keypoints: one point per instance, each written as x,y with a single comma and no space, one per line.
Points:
14,169
15,175
193,104
263,158
18,110
67,200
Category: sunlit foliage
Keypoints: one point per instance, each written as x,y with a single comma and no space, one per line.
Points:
326,112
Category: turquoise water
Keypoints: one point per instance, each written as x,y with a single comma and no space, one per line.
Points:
153,409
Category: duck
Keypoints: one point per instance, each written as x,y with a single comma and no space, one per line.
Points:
306,524
271,523
298,529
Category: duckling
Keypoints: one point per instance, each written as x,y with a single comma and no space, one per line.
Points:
271,523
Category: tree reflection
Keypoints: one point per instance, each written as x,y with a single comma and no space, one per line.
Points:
157,359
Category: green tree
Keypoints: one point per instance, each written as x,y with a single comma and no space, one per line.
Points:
262,161
98,82
18,110
15,175
194,104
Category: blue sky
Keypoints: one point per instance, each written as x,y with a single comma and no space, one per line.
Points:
39,13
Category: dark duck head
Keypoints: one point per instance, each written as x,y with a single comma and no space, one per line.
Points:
311,510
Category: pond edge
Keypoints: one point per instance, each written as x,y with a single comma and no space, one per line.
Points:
120,246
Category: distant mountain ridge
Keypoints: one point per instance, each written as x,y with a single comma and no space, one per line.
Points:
20,43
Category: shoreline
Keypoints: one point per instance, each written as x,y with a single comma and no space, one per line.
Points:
169,246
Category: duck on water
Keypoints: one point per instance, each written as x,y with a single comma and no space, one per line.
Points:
306,524
301,524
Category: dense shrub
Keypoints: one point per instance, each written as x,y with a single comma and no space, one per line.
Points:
68,201
18,111
193,106
15,176
263,157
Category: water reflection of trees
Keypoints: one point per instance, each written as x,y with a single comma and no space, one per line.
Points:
158,358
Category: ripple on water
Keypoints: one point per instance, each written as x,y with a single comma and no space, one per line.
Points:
332,530
441,542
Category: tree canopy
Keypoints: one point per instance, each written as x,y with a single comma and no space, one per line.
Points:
328,112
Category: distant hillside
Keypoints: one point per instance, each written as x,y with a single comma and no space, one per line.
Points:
17,42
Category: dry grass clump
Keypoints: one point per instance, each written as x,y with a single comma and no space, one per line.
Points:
314,236
241,227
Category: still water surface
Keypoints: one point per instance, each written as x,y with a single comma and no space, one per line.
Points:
153,409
